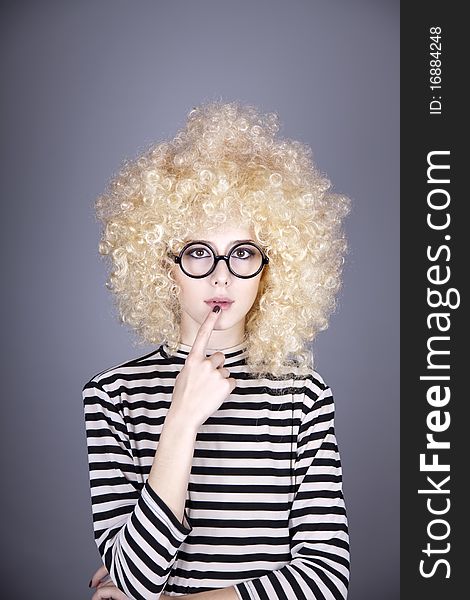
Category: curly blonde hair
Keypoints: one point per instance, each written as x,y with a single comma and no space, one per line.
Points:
227,166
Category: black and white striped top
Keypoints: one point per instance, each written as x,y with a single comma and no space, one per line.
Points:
264,509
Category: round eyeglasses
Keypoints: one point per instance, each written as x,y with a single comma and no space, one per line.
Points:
198,259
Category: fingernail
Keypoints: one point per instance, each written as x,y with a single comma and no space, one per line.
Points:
216,308
89,585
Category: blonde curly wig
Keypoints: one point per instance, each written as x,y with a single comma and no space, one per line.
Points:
227,165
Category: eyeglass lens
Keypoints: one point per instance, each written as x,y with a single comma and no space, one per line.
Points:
244,260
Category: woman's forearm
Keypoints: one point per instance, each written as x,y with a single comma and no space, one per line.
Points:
171,466
228,593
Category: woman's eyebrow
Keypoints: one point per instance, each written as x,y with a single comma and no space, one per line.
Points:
232,242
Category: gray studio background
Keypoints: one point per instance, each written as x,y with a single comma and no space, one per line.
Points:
84,86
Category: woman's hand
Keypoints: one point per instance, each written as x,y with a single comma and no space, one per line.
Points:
203,383
108,591
105,588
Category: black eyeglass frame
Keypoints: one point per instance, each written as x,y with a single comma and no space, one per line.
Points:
178,259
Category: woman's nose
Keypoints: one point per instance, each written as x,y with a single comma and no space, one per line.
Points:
221,271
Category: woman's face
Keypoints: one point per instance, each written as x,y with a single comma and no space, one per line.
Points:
230,326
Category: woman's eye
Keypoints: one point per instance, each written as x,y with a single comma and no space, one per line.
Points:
243,253
198,253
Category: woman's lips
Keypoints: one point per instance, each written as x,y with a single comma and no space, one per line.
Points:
223,305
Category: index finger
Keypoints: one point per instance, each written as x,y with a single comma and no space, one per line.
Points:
98,576
204,333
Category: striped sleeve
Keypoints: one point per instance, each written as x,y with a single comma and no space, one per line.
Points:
319,539
136,532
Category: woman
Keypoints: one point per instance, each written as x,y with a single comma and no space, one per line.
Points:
214,468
